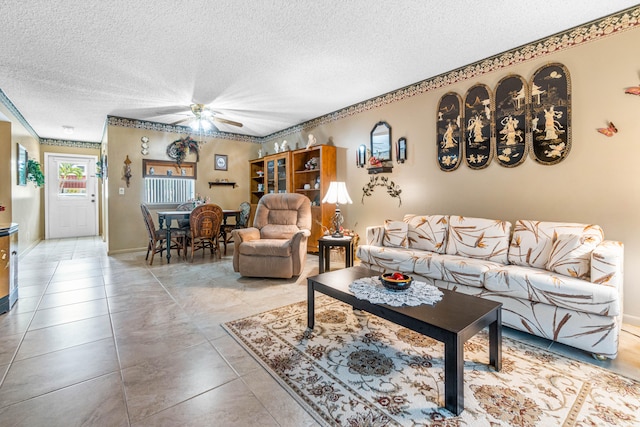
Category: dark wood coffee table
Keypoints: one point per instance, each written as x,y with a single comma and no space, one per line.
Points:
453,320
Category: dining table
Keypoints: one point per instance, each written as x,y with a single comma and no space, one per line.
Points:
165,218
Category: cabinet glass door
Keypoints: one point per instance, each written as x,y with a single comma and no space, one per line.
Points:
271,177
282,175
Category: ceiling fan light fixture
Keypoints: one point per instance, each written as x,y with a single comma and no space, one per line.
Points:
201,124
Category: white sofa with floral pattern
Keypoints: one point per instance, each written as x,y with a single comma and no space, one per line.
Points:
560,281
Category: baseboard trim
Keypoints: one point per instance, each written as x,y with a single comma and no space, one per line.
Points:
126,251
631,320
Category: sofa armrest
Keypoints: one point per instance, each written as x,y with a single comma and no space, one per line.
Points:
375,235
607,261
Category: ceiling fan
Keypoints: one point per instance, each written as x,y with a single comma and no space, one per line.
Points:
203,118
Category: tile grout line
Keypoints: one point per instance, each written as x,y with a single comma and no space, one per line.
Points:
24,334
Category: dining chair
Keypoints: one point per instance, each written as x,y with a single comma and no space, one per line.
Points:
184,223
205,229
158,237
243,220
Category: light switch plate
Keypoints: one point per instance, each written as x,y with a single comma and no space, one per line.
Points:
121,190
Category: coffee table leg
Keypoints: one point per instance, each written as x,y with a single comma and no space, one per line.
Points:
310,306
327,258
495,341
454,375
321,258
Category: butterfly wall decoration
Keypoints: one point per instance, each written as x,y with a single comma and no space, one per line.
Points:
633,90
608,131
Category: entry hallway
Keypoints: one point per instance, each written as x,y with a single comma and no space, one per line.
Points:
109,341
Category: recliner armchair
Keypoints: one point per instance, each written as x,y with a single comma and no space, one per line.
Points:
276,245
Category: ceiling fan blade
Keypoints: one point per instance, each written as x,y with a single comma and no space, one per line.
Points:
229,122
188,119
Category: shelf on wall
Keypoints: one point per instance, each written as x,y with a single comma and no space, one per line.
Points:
211,184
381,169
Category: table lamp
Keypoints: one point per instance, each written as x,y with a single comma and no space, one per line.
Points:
337,194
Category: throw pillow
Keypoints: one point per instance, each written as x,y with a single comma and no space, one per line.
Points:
395,234
571,255
427,232
479,238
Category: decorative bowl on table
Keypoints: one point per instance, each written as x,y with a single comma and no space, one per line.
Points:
396,281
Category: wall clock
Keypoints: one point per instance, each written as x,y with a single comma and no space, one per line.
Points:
221,162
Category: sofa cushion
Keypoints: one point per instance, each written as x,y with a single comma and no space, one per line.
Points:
428,232
465,271
428,264
479,238
395,259
395,234
532,241
546,287
571,255
266,247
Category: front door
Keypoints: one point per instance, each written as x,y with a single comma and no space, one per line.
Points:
71,208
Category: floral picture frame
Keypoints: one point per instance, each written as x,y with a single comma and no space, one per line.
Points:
221,162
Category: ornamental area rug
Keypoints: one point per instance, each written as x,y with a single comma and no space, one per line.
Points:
356,369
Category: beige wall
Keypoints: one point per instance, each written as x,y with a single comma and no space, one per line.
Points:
23,203
125,227
597,183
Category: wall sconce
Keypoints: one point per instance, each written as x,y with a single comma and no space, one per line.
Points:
401,150
361,156
127,170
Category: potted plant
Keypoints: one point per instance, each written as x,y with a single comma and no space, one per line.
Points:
34,173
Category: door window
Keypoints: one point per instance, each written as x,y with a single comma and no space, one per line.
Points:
72,180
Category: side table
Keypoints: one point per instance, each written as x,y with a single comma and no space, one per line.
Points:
324,250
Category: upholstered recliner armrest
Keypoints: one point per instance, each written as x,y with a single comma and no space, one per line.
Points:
299,249
375,235
242,235
246,234
607,264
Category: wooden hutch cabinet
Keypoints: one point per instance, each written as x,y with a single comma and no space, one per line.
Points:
303,171
313,170
269,174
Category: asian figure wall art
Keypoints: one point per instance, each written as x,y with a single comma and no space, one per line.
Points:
511,104
448,131
478,127
550,114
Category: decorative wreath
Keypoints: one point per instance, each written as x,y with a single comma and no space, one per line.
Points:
375,181
178,149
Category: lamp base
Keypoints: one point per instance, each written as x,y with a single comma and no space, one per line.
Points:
337,221
337,235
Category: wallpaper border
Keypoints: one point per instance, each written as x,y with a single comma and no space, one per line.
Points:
591,31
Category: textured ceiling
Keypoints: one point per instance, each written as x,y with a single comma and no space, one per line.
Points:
268,64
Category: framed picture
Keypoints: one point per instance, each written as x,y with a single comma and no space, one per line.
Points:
550,114
221,162
510,121
477,127
401,150
448,131
22,165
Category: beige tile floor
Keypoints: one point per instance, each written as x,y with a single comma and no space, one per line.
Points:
108,341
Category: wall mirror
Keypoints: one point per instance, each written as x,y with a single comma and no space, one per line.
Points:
381,141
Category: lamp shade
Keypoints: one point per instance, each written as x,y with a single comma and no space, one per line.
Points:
337,194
